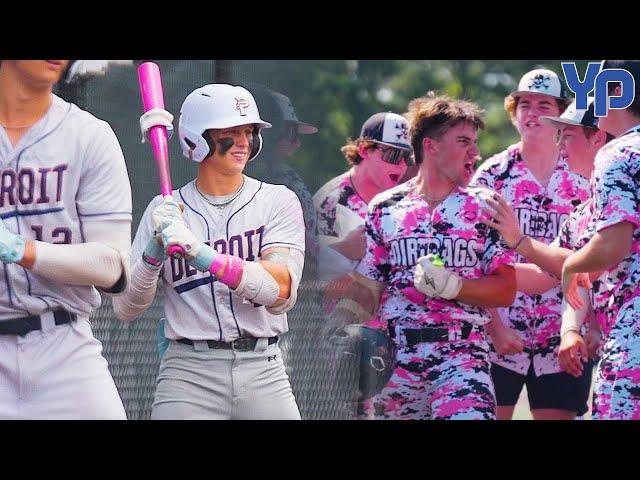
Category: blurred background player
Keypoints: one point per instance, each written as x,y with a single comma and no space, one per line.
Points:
537,182
278,155
614,248
379,158
226,301
435,311
65,230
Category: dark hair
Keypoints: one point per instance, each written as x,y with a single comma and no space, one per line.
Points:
633,67
432,116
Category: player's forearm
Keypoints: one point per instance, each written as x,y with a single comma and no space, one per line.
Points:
532,280
78,264
489,291
548,258
139,296
606,249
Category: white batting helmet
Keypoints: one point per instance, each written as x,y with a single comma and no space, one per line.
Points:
217,106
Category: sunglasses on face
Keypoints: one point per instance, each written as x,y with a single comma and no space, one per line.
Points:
395,156
290,133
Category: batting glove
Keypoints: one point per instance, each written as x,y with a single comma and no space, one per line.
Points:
432,279
12,245
197,254
167,212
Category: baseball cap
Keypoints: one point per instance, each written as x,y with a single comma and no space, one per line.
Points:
288,114
542,81
574,116
387,128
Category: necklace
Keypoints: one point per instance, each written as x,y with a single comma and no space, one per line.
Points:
438,200
221,206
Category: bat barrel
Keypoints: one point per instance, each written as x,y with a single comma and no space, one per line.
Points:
150,86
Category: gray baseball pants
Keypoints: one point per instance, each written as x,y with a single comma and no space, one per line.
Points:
199,383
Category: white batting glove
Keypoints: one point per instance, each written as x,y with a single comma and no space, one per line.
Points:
167,212
153,118
435,280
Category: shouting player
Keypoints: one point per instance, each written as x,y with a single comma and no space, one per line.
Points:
226,300
65,229
435,308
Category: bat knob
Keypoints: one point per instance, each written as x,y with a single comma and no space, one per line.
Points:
175,251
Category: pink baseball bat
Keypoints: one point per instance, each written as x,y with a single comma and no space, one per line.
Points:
152,97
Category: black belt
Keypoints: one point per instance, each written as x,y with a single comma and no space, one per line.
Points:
433,334
242,344
24,325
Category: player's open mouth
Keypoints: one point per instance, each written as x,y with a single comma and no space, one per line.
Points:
468,167
394,177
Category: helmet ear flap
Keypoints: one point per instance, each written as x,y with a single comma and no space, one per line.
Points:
256,143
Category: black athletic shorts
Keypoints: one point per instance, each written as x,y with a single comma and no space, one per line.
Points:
556,390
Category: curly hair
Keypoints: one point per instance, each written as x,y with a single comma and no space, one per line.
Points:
433,115
350,150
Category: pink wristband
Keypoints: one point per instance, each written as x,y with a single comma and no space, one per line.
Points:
233,271
218,262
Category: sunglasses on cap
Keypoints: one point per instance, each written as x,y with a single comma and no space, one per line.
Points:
395,156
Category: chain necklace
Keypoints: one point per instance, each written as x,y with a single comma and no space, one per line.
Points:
222,205
438,200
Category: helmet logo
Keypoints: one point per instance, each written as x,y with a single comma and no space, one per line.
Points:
241,105
540,81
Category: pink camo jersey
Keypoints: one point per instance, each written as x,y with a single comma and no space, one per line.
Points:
575,232
401,227
617,199
540,211
337,191
340,191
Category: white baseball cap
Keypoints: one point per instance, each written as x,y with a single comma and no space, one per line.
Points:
387,128
543,82
577,117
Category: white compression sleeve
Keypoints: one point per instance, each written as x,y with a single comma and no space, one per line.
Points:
99,261
572,320
139,296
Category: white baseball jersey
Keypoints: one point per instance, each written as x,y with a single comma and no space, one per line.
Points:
197,307
68,169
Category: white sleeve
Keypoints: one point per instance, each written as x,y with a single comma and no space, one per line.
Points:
100,261
286,226
104,190
144,281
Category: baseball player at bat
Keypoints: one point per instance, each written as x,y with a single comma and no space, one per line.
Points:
226,300
65,231
435,269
